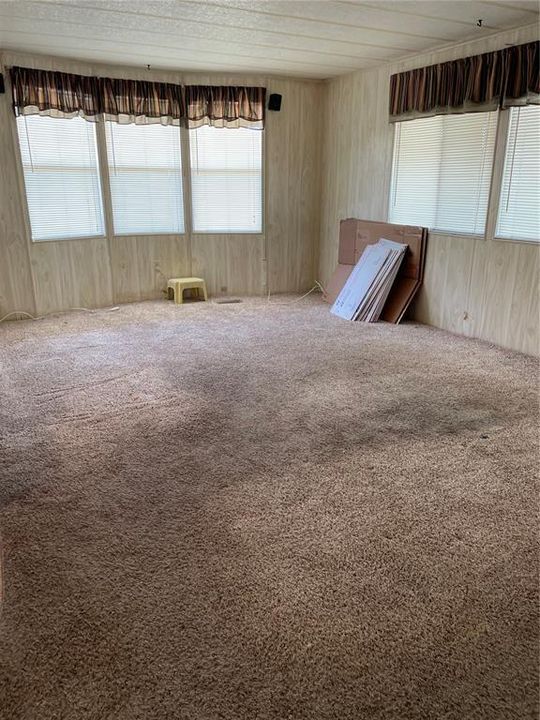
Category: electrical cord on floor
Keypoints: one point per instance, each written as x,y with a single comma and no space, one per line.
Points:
59,312
291,302
117,307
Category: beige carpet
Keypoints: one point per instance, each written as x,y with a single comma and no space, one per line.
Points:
262,512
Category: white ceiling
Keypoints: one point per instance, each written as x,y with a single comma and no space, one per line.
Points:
308,38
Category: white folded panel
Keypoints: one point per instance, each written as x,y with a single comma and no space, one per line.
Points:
360,281
364,294
371,311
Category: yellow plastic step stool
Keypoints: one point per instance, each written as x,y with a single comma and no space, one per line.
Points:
179,285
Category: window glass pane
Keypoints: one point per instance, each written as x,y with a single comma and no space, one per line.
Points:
61,177
226,179
442,172
145,175
519,204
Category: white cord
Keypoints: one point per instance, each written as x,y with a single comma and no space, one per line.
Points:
117,307
19,312
59,312
291,302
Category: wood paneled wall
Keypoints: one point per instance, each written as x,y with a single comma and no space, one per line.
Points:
48,276
477,287
16,287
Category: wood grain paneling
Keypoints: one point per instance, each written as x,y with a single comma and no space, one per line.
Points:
230,264
478,287
71,273
481,288
122,269
523,319
293,187
142,265
444,295
16,289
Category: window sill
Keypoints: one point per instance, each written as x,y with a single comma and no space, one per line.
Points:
227,232
38,241
527,241
171,233
457,233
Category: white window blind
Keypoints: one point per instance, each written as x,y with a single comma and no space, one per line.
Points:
441,173
145,175
61,177
519,203
226,179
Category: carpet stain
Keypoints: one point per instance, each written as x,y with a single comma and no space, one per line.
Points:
259,511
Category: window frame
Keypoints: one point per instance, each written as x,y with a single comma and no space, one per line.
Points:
255,233
106,196
494,193
497,181
501,140
107,171
21,183
457,233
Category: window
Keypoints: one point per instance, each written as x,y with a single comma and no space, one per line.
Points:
61,176
519,203
226,180
145,175
442,172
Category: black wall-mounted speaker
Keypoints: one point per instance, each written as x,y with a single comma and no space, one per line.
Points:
2,86
274,102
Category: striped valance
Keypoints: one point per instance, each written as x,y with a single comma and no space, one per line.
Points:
225,105
142,102
489,81
58,94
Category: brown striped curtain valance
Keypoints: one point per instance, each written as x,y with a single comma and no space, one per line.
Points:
489,81
225,105
142,102
58,94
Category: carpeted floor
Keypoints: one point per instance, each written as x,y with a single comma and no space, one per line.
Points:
262,512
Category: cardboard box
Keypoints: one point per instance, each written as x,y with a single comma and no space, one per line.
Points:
355,235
